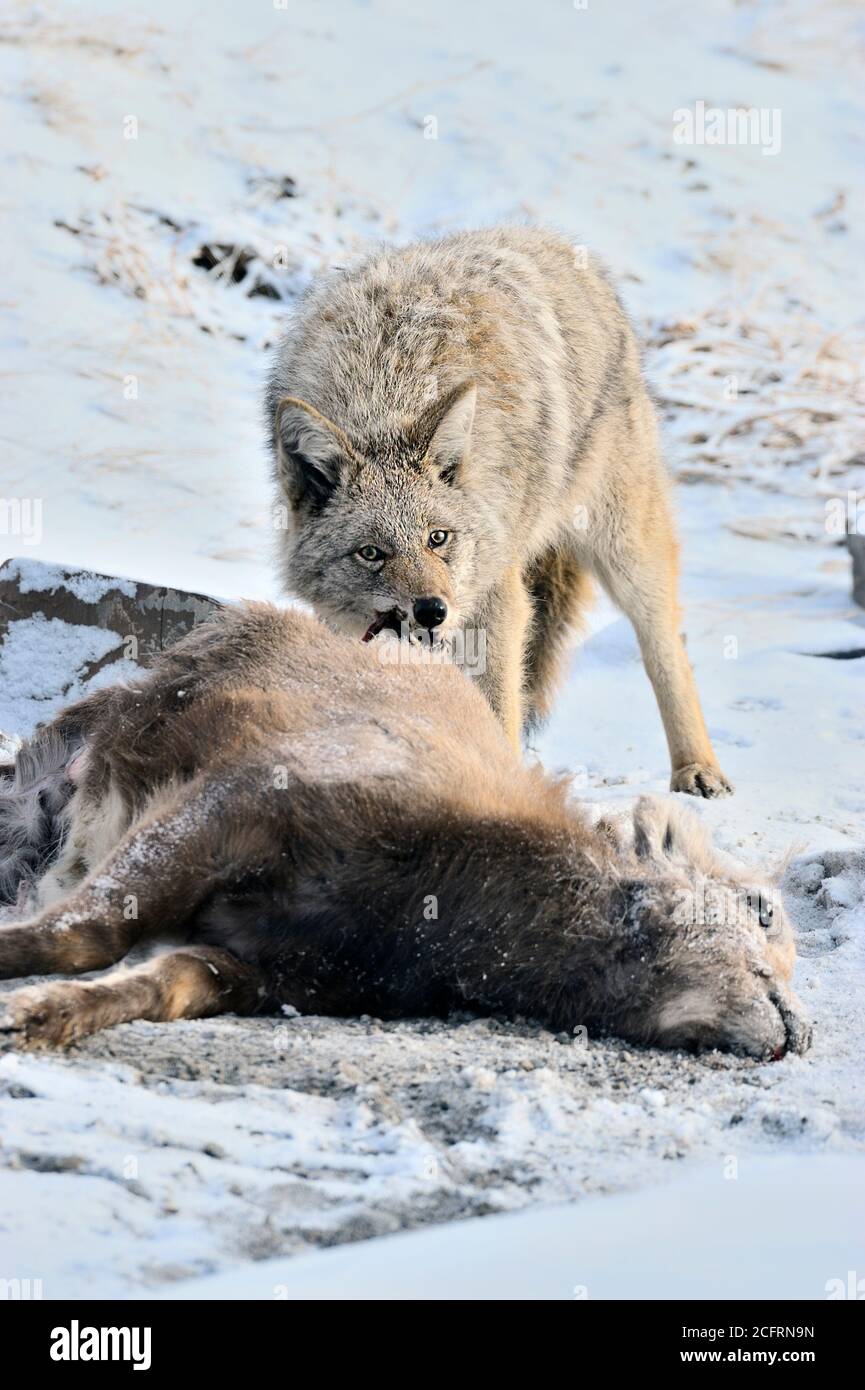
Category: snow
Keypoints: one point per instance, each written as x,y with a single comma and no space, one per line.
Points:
801,1222
36,577
152,1155
44,664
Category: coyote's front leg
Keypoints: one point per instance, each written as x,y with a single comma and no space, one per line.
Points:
640,577
506,617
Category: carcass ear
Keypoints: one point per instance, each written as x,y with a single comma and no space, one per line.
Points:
311,452
672,836
447,427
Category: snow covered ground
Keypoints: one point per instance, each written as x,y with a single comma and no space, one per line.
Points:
170,178
601,1249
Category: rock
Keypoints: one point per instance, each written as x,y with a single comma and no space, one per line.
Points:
146,617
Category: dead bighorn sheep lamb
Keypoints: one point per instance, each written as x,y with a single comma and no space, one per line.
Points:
317,828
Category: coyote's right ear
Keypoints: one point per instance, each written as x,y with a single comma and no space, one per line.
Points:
311,452
446,429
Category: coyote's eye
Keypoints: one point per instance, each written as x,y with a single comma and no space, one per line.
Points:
370,554
437,538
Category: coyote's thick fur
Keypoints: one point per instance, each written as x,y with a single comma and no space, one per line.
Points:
320,830
463,439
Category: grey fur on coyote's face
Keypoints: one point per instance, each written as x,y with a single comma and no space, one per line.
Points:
379,540
463,438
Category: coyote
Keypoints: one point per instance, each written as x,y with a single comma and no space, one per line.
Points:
314,829
463,440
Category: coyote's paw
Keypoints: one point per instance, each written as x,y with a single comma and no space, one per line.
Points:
700,779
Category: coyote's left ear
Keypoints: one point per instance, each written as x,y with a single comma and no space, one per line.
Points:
447,427
311,452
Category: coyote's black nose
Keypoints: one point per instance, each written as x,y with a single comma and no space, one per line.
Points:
429,612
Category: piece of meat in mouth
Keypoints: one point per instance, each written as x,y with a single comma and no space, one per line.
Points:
392,620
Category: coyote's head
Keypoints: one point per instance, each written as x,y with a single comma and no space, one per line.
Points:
381,532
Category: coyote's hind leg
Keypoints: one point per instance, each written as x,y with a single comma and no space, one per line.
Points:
560,588
196,982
